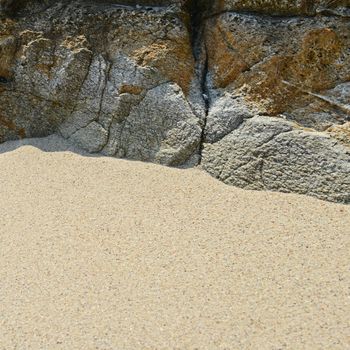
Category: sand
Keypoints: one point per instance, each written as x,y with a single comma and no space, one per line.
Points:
100,253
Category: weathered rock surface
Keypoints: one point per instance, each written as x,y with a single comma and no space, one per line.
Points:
113,79
279,90
295,67
257,92
270,154
286,7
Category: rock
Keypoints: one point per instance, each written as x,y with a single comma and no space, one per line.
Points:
7,54
161,127
225,114
257,92
290,66
267,153
136,82
92,137
341,133
283,7
291,74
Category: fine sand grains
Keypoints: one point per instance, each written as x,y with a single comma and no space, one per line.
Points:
100,253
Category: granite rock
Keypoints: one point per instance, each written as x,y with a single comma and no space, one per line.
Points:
266,153
109,70
255,92
279,97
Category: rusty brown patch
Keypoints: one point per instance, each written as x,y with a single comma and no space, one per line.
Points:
313,64
12,126
313,67
8,47
44,68
341,133
130,89
224,58
173,59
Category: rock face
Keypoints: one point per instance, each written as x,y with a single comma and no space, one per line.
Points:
279,92
256,92
286,7
111,78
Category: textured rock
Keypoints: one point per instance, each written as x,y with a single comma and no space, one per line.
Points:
286,7
278,65
270,154
255,91
295,70
128,70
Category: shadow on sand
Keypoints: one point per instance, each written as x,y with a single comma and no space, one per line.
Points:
56,143
52,143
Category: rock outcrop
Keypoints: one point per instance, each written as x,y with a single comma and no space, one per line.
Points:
279,91
256,92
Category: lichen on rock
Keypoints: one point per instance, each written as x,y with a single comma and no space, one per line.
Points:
184,82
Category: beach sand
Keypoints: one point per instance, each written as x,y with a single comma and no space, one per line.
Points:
100,253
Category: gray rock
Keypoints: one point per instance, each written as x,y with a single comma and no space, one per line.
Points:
225,114
166,81
161,128
91,138
129,92
269,154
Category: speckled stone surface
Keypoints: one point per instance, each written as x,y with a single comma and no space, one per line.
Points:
174,81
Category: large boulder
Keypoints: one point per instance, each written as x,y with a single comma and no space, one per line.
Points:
257,92
266,153
112,78
294,70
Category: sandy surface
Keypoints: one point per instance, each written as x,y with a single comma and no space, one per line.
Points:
99,253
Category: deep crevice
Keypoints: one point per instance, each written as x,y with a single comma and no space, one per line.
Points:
205,94
198,11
